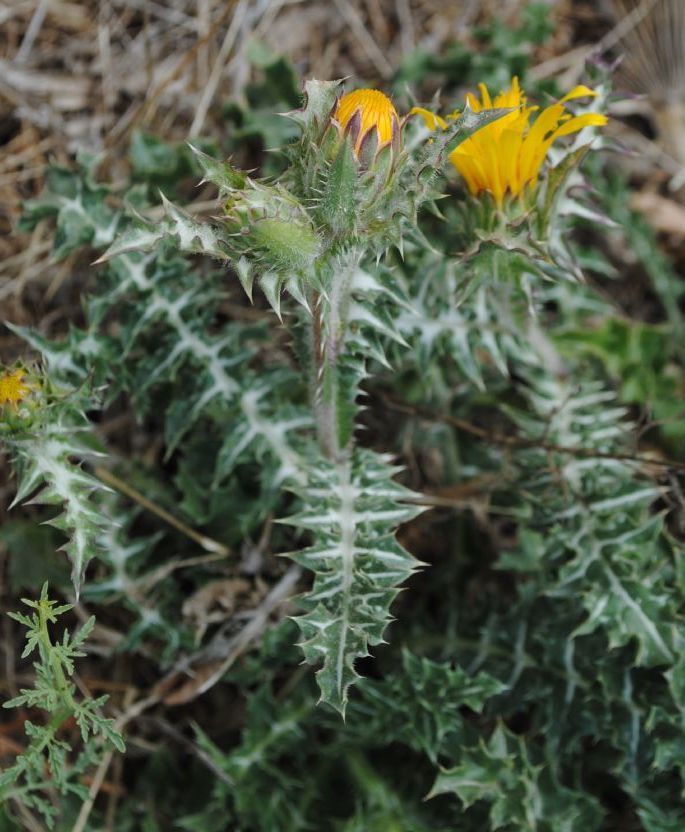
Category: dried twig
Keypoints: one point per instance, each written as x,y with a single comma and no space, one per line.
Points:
523,442
211,663
32,32
368,44
575,58
120,723
219,64
207,543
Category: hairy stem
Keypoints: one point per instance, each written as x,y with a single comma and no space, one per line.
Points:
328,326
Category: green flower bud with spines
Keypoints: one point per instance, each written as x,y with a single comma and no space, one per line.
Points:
269,224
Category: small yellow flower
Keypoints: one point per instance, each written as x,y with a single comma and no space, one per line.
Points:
363,112
12,388
506,155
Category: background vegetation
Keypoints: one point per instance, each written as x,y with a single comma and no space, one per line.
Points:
533,678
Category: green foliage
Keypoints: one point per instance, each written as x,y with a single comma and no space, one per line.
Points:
422,705
521,795
83,217
158,164
44,438
532,677
45,763
643,357
352,508
309,234
32,556
664,282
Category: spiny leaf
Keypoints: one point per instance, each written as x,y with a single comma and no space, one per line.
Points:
46,462
222,174
522,794
189,234
351,508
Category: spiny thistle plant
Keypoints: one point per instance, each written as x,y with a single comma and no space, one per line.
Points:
549,661
352,190
45,430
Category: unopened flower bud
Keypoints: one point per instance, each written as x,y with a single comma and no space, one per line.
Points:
268,223
370,121
368,116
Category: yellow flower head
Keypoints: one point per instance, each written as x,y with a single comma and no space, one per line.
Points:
506,155
12,388
363,113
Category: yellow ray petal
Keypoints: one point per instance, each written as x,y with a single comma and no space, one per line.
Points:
470,167
12,388
510,149
577,123
511,97
581,91
546,122
506,155
376,111
485,96
431,120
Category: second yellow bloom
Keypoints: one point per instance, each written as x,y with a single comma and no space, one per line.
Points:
506,155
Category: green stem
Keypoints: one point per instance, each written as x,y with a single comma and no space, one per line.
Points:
51,656
329,323
56,722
